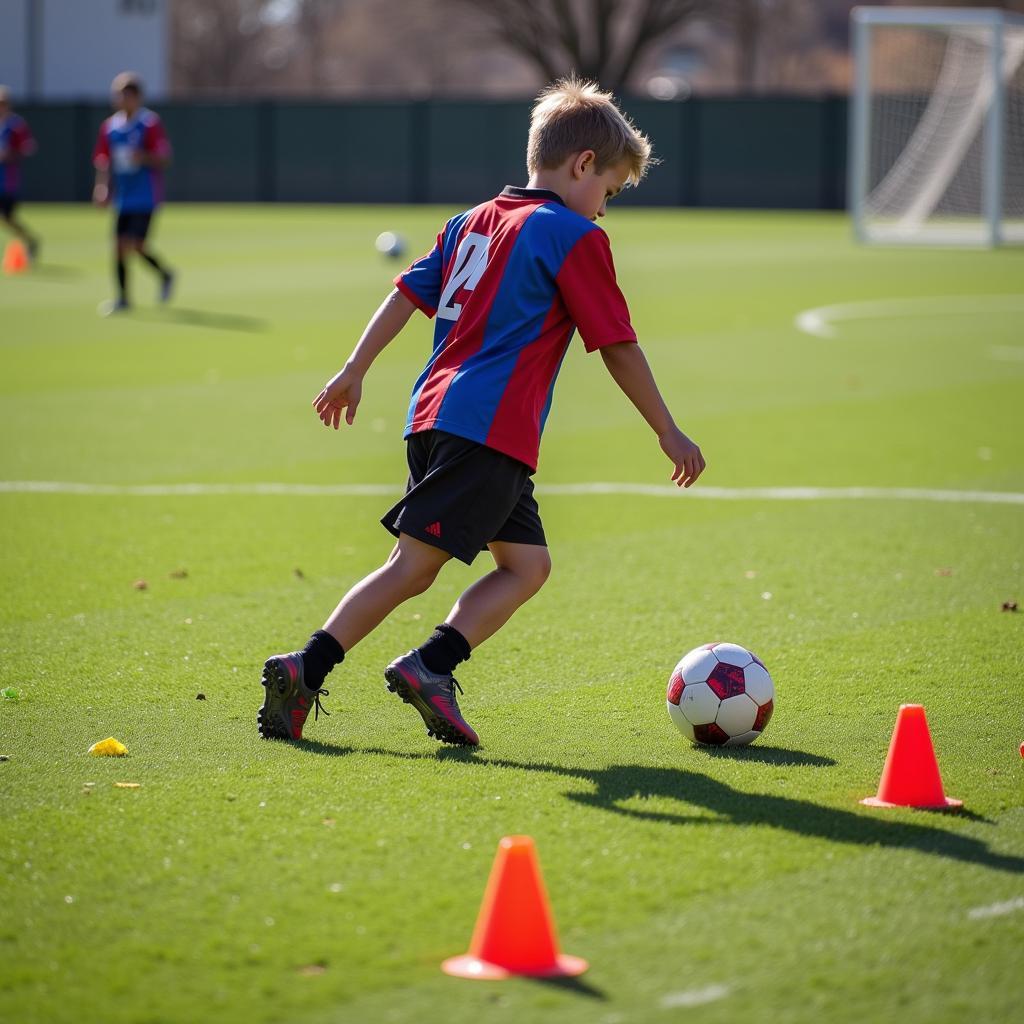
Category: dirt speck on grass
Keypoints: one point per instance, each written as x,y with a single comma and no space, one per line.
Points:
140,585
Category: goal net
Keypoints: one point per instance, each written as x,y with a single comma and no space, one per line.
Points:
937,127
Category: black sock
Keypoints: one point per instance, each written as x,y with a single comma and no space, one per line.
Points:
445,648
122,279
319,656
153,262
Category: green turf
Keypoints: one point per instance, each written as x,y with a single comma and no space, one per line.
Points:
750,879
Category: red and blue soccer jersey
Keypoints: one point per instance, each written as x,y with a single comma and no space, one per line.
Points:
509,281
122,140
15,142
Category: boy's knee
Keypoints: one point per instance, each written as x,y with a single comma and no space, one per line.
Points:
536,569
418,576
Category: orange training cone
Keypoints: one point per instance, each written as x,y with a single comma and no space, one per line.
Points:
514,932
911,777
15,257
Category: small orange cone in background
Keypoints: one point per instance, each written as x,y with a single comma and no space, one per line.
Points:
15,257
515,933
911,776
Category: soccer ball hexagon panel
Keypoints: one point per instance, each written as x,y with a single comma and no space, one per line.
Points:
720,694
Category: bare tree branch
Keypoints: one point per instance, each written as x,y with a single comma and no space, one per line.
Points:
599,39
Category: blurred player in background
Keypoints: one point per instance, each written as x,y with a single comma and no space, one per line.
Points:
16,143
130,156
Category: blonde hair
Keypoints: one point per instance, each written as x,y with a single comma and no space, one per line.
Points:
127,80
572,115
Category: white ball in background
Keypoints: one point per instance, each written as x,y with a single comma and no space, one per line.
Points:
390,244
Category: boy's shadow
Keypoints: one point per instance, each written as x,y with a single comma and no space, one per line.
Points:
203,318
55,272
613,789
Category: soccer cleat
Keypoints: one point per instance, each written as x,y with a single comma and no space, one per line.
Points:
166,286
433,696
287,700
112,307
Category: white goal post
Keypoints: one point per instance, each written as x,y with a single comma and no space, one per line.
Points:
937,126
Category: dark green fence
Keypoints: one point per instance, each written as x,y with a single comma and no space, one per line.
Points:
725,152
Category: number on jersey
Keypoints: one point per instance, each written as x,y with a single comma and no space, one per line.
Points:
469,266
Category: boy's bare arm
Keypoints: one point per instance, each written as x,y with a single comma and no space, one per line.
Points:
101,190
628,366
345,388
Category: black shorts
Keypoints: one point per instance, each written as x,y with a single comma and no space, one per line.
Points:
7,205
462,495
133,225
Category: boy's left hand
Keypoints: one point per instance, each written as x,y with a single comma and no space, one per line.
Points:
685,456
342,391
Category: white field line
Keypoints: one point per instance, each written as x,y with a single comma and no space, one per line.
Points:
819,322
694,997
1007,353
996,909
645,490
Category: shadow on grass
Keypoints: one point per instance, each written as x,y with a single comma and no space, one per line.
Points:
329,749
203,318
55,272
616,786
778,756
574,986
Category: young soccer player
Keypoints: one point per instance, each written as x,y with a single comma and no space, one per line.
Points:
508,282
16,143
130,156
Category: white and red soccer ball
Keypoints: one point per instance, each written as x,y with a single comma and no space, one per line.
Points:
720,694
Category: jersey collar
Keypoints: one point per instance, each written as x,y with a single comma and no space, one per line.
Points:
543,194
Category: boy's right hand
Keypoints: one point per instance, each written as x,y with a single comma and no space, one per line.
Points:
685,456
342,391
101,195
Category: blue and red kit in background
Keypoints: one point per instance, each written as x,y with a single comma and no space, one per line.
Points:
509,282
121,142
15,142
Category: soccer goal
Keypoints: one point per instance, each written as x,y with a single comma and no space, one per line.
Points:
937,126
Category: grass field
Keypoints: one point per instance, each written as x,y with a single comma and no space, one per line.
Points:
325,881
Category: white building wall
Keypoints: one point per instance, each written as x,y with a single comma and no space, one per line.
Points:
71,49
14,46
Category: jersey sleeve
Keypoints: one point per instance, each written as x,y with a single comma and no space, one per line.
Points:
101,151
155,139
586,282
24,144
421,282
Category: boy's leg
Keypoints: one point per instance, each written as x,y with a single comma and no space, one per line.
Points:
141,223
423,677
165,272
122,246
294,681
19,229
410,569
520,571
